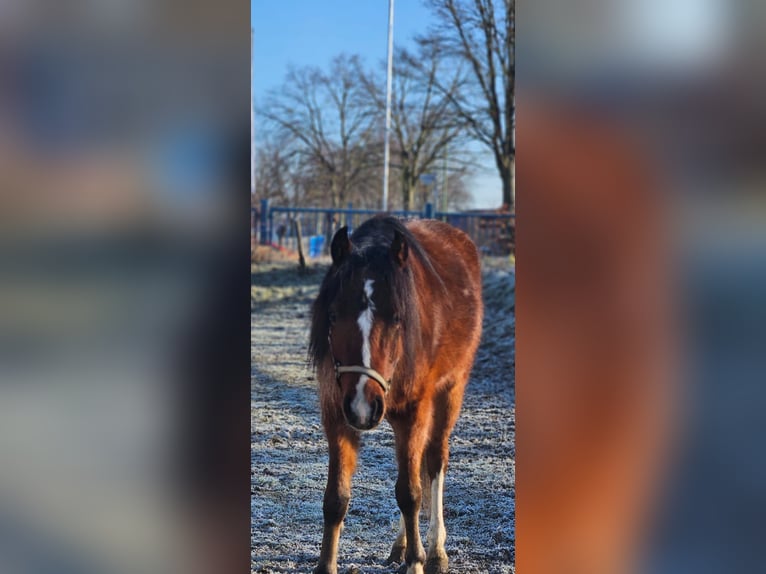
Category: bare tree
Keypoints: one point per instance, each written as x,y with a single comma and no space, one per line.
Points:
273,173
424,122
457,196
483,35
329,122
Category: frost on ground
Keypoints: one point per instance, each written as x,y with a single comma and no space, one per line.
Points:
289,453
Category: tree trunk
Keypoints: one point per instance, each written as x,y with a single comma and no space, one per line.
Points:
408,190
334,192
507,174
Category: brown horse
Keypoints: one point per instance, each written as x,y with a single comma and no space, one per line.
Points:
394,332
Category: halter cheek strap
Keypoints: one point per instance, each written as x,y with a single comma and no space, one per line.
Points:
372,373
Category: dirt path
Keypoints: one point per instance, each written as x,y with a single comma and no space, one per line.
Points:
289,458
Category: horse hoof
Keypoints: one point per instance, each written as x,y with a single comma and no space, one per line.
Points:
416,568
396,556
437,564
323,569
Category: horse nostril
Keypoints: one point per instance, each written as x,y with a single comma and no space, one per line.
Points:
347,407
377,409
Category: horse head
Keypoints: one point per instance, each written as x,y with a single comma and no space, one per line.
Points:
362,319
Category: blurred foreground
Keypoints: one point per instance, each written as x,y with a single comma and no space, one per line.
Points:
642,248
124,154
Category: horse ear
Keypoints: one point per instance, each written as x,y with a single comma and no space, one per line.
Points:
341,246
399,248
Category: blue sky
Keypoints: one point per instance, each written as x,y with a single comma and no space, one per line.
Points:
311,32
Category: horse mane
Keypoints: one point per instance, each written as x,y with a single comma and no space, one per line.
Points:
371,247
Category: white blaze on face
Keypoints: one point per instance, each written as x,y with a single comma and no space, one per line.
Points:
359,405
437,534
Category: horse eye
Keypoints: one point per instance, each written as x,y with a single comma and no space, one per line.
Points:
332,317
397,319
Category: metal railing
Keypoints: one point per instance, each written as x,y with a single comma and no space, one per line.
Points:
493,233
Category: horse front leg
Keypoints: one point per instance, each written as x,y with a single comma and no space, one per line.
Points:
343,443
400,544
446,410
411,437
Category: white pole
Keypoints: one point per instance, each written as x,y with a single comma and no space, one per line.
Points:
389,76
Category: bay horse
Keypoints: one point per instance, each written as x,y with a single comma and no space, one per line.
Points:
394,331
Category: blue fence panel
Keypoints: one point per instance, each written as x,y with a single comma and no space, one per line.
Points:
493,233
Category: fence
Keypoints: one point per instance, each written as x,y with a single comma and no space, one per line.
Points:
492,232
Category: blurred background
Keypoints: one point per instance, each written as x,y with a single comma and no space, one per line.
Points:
124,154
658,305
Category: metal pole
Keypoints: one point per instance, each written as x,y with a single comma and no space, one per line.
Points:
389,76
445,181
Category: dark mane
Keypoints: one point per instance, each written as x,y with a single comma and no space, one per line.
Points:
371,247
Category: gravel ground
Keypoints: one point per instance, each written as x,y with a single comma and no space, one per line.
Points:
289,453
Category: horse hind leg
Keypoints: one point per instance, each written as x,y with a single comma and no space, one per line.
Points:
436,557
437,457
425,484
411,434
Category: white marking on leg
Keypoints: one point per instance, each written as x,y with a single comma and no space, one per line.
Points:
437,534
359,405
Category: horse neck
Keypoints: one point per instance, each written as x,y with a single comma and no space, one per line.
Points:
430,297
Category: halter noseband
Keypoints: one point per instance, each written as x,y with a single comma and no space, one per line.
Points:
371,373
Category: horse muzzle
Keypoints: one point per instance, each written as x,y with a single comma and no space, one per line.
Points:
361,414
